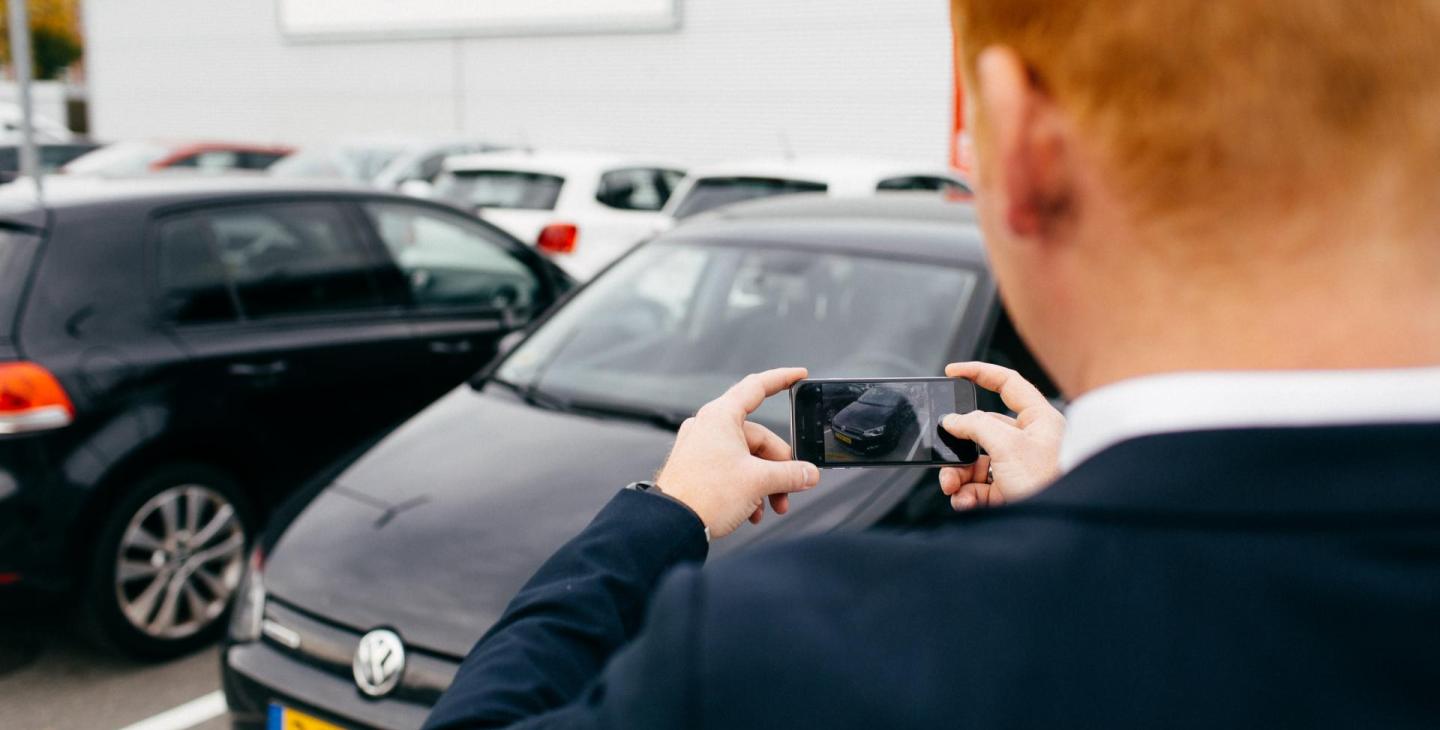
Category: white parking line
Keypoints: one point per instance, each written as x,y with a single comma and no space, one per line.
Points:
188,715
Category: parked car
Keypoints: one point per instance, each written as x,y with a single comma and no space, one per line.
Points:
429,534
710,187
874,421
53,156
145,157
175,358
584,210
388,163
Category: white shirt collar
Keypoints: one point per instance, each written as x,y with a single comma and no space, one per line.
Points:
1200,401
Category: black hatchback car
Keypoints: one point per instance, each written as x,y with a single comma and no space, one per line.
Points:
874,421
176,357
359,610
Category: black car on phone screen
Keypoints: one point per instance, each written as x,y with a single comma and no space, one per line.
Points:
176,357
359,609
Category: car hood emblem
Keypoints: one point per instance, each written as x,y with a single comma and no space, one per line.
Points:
379,662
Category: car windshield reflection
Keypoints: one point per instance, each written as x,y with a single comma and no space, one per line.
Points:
673,325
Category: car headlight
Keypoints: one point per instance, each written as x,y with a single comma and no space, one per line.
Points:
248,613
873,432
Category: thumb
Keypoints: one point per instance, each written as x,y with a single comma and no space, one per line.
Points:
782,477
991,434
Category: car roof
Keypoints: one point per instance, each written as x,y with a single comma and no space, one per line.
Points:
921,225
17,199
823,169
560,162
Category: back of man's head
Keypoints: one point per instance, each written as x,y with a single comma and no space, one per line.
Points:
1232,144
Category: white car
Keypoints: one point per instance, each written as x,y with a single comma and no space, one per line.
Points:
712,186
583,210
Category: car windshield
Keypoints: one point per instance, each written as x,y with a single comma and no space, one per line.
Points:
712,192
512,189
673,325
121,159
880,397
360,164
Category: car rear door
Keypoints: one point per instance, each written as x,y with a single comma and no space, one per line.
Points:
294,347
467,285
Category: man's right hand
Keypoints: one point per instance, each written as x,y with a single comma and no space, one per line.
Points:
1023,453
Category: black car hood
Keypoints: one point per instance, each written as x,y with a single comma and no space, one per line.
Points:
435,529
859,417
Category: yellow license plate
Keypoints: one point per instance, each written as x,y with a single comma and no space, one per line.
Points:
285,718
842,438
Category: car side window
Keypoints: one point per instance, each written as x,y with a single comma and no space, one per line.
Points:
448,261
637,188
277,260
194,287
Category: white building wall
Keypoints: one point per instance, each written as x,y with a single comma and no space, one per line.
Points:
865,77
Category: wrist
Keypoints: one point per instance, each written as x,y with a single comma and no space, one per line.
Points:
652,488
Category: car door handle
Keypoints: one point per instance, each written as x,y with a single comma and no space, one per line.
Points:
257,370
452,347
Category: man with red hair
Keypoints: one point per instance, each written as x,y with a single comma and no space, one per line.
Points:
1215,222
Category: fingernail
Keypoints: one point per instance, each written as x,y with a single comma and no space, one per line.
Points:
951,421
812,475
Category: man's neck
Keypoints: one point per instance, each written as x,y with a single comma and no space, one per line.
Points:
1291,322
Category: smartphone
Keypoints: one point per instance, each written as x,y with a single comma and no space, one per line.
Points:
836,423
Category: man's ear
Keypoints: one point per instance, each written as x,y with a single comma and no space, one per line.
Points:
1029,148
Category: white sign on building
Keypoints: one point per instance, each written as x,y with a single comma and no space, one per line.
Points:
349,19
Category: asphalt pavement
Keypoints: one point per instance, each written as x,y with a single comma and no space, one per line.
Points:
50,679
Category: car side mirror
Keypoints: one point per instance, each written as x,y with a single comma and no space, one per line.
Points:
417,188
509,342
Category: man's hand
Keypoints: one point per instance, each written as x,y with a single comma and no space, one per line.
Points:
1023,452
725,467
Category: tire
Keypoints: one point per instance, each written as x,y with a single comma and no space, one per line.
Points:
182,533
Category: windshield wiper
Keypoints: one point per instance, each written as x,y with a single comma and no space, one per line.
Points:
532,395
658,417
668,420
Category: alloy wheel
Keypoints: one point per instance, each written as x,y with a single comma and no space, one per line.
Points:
179,560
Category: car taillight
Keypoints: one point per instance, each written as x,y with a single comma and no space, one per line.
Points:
558,238
31,399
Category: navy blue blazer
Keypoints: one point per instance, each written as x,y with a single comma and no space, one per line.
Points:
1259,578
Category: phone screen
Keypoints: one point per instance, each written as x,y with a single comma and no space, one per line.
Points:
879,422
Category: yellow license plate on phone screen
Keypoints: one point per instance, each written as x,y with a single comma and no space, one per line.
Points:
842,438
285,718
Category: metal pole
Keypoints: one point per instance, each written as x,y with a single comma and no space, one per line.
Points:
21,61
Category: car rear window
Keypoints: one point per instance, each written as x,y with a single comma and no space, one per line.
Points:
511,189
16,252
712,192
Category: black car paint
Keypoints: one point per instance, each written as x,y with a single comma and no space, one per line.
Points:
433,530
147,393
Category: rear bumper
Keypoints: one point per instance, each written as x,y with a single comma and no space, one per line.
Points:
251,674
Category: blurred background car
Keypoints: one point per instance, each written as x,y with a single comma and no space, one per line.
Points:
430,533
712,186
584,210
53,156
46,129
134,158
177,355
408,164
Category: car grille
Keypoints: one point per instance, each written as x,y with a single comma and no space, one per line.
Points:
331,648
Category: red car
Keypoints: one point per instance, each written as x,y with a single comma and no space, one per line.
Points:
143,157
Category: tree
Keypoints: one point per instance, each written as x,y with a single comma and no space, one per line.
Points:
54,35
